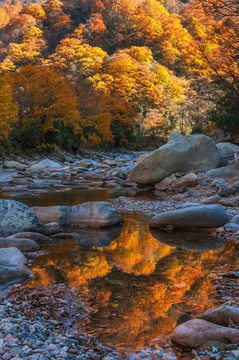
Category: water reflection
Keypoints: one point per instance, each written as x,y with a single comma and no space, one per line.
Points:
73,197
191,240
98,237
137,287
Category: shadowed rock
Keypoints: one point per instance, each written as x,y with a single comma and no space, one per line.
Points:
191,240
100,237
222,315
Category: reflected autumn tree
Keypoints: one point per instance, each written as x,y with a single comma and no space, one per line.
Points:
137,287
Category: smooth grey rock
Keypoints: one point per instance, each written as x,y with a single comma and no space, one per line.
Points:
46,164
181,153
196,332
222,315
12,265
232,227
225,172
49,214
227,150
235,219
21,244
12,257
17,217
94,214
203,216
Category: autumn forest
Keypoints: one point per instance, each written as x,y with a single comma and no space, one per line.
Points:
98,72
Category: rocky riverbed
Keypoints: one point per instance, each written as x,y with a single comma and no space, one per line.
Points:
39,324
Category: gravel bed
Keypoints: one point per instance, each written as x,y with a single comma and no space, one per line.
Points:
38,324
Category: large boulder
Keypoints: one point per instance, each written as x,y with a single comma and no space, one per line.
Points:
17,217
49,214
196,332
181,153
46,165
203,216
94,214
12,265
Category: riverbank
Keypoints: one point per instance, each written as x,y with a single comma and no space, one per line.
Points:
38,323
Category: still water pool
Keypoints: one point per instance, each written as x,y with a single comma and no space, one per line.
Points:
138,284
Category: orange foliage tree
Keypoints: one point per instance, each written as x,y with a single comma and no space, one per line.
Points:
8,109
47,106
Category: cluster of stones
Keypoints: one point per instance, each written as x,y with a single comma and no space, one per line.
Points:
213,332
41,337
28,178
190,167
23,229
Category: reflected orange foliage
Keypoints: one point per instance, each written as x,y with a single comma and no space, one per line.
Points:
138,287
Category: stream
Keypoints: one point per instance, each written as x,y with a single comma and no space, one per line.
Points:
138,284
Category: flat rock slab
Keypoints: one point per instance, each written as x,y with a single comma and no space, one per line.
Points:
94,214
196,332
203,216
16,217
